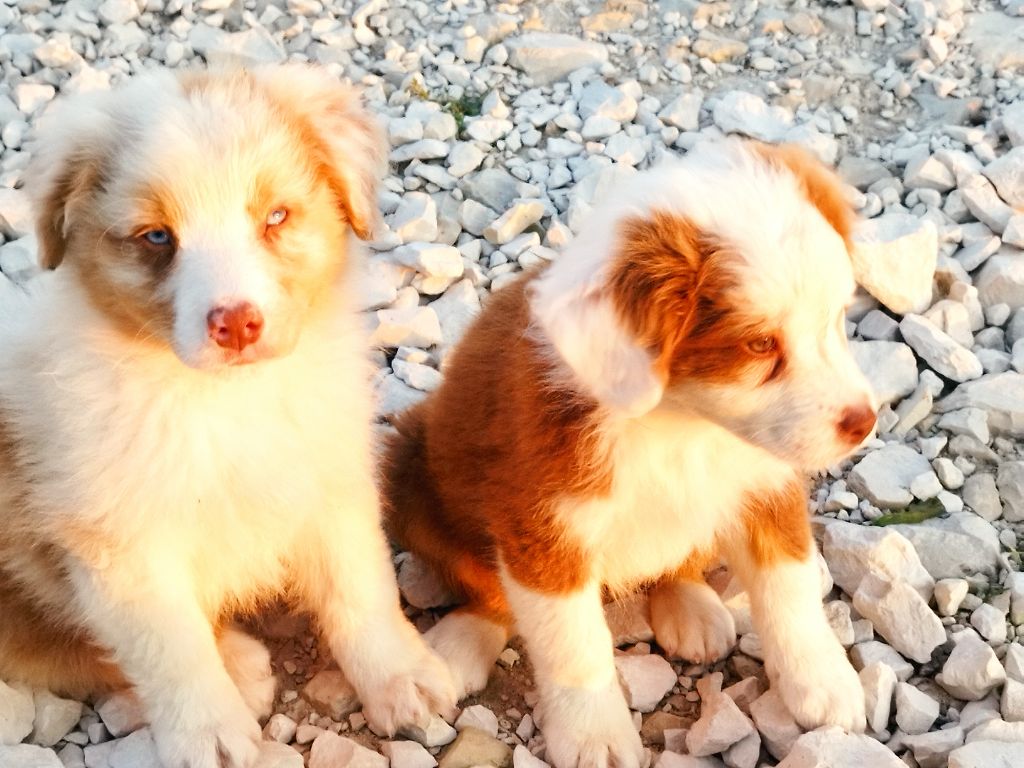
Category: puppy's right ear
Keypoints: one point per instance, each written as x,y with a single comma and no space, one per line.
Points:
66,168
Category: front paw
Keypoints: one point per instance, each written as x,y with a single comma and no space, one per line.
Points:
589,729
690,622
820,687
414,692
228,738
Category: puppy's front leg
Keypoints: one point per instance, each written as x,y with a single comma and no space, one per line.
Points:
774,556
148,615
349,583
583,713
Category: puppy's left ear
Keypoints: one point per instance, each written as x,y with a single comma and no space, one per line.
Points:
346,139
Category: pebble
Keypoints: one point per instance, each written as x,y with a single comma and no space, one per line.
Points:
54,718
522,214
745,113
479,717
645,679
915,710
949,594
779,731
900,615
720,726
121,713
972,669
473,748
331,694
990,623
879,683
407,754
333,751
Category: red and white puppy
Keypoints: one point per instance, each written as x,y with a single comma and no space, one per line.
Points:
651,401
185,408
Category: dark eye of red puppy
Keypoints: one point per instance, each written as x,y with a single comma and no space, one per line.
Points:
763,345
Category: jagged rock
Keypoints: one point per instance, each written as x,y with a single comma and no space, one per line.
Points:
331,694
547,56
890,368
894,258
972,669
834,748
645,679
884,476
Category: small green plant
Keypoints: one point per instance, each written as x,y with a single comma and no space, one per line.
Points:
917,512
467,105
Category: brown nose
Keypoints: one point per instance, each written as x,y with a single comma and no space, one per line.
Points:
235,327
856,423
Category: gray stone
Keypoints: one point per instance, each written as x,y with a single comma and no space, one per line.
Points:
900,615
890,368
721,725
831,747
894,258
967,421
884,476
136,750
987,754
333,751
972,669
252,46
1007,174
600,99
981,495
645,680
779,731
958,545
122,713
853,551
16,218
915,710
54,718
981,199
17,713
1002,280
684,111
925,171
408,754
748,114
547,56
990,623
949,593
28,756
931,750
1010,482
480,717
877,326
879,683
939,351
1000,395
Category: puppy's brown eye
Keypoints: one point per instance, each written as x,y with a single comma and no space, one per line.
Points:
762,345
277,216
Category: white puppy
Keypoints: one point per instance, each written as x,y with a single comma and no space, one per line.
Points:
185,409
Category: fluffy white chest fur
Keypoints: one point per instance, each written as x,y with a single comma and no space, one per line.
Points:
222,471
678,483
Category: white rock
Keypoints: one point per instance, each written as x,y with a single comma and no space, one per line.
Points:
54,718
252,46
464,158
547,56
676,760
949,593
277,755
776,725
122,713
939,351
455,310
967,421
831,747
523,214
900,615
431,259
981,200
894,258
853,551
488,129
415,218
333,751
879,683
884,476
748,114
406,327
28,756
523,758
990,622
118,11
931,750
972,669
957,545
402,130
988,727
928,172
1007,174
721,725
684,111
915,711
407,754
1000,395
136,750
890,368
424,149
30,97
645,680
599,98
987,754
1002,280
16,217
436,734
1010,482
1011,703
280,728
17,713
478,716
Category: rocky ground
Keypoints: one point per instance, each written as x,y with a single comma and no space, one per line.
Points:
507,121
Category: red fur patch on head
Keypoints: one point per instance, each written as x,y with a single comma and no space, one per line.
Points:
820,186
673,286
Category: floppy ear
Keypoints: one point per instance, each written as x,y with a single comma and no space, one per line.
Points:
345,138
582,323
66,167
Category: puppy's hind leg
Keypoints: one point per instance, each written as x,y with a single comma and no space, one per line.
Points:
247,661
689,620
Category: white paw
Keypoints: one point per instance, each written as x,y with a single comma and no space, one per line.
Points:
247,661
820,687
420,686
690,622
469,645
225,738
589,729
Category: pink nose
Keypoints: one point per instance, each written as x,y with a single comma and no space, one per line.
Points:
856,423
235,327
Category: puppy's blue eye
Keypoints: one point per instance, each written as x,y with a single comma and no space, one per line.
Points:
157,237
276,216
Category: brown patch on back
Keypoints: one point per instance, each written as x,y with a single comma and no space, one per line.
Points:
672,285
476,469
820,186
776,525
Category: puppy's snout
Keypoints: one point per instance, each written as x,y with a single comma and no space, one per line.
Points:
856,423
235,327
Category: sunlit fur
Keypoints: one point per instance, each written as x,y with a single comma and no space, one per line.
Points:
647,404
153,483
